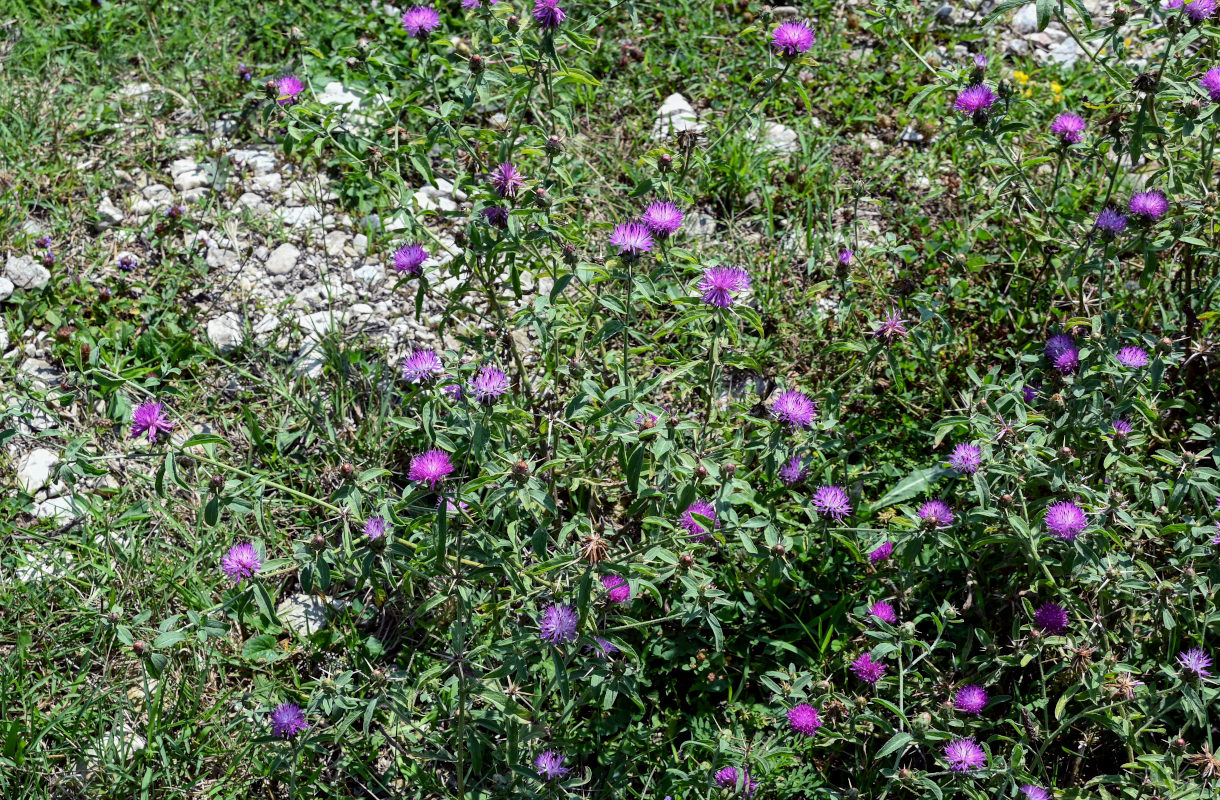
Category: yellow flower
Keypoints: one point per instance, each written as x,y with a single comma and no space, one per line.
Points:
1020,77
1056,88
1028,93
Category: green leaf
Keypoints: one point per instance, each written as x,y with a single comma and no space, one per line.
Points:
263,647
913,484
898,741
1044,13
168,639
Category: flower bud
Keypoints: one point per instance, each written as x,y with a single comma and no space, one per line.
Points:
665,162
1121,15
513,22
296,34
477,64
730,469
317,543
139,647
353,62
778,549
346,471
540,197
216,483
553,145
700,471
686,560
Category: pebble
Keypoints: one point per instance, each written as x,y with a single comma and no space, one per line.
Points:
369,275
6,288
777,138
225,332
283,259
674,116
305,613
1025,21
57,509
34,469
270,184
26,273
108,214
300,216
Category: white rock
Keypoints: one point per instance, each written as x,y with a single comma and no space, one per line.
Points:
223,258
43,567
335,242
108,214
1066,52
225,331
253,201
283,259
361,310
266,326
360,242
1026,19
57,509
777,138
3,339
133,90
187,174
34,469
369,275
271,183
260,162
335,95
320,323
41,373
309,361
675,115
6,289
26,273
300,216
305,613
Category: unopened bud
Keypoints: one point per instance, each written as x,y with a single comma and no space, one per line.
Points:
700,471
513,22
554,145
139,647
317,543
477,64
346,470
665,163
730,469
216,483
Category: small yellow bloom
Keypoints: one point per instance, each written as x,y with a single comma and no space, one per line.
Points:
1127,42
1028,93
1056,88
1020,77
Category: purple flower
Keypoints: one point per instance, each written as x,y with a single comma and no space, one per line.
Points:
970,699
421,366
1110,222
1211,83
719,284
420,20
478,3
496,216
1032,792
1068,127
881,553
792,471
964,755
804,719
506,180
488,384
43,241
1199,10
831,501
794,408
1051,618
410,258
975,100
430,468
451,510
1120,428
966,458
1195,662
883,611
868,670
936,513
1149,206
732,778
454,390
845,256
1065,520
548,14
1061,352
1030,392
662,218
632,239
980,61
287,721
792,39
602,648
550,765
241,562
287,88
891,328
1133,357
693,527
151,418
374,528
617,589
557,624
127,262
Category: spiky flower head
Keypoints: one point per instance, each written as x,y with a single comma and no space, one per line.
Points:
488,384
891,329
548,14
1198,10
794,408
970,699
422,366
1120,428
496,216
1062,353
241,562
803,719
832,501
506,180
429,469
1210,82
1110,222
737,780
1029,392
602,648
1065,520
420,20
792,39
1149,206
127,262
975,100
881,552
1068,127
1051,618
632,239
287,721
557,624
1032,792
549,765
374,528
792,471
1133,357
720,284
936,513
883,611
662,218
410,258
845,256
150,418
617,588
964,755
868,670
287,88
695,528
966,458
1195,662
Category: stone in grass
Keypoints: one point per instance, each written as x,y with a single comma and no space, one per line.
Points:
35,468
674,116
44,566
26,273
283,259
108,215
6,288
58,509
776,138
225,332
306,614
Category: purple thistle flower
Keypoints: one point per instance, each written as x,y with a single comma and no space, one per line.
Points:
617,589
241,562
891,328
804,719
792,39
1211,83
936,513
881,553
1120,428
964,755
1133,357
970,699
602,648
732,778
287,721
1148,206
719,284
1032,792
496,216
632,239
430,468
845,257
1195,662
693,527
1051,618
557,624
980,61
966,458
488,384
548,14
550,766
420,20
421,366
868,670
454,390
127,262
287,88
1199,10
1110,222
794,408
975,100
374,528
478,3
1030,392
831,501
792,471
410,258
1065,520
883,611
150,417
1061,352
1068,127
506,180
662,218
452,510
